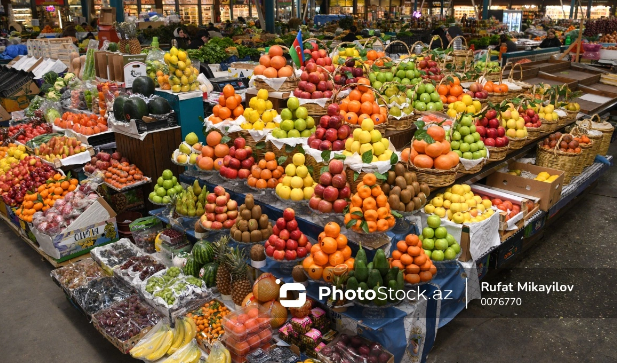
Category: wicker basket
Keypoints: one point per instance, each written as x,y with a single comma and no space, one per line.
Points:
607,133
461,59
556,159
497,153
515,143
310,162
533,133
288,86
380,127
549,126
435,178
475,169
314,109
398,124
586,150
319,42
524,85
596,139
354,183
260,148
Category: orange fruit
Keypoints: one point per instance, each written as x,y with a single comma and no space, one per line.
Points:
328,245
332,229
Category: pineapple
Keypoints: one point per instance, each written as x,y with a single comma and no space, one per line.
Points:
123,42
223,278
131,45
240,286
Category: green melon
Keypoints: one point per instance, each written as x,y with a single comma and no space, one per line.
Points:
158,106
119,107
191,267
143,85
135,108
203,252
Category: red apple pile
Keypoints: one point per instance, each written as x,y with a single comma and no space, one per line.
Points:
331,133
220,210
319,57
102,161
349,69
314,82
333,190
237,165
476,90
24,177
490,130
287,242
431,68
530,116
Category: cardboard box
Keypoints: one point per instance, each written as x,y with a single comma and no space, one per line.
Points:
4,115
20,99
100,62
111,75
549,193
503,195
482,266
96,226
134,66
510,249
108,16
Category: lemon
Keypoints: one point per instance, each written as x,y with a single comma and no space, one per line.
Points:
287,180
366,147
290,169
246,126
172,70
259,125
451,113
270,125
173,51
175,88
185,88
349,52
460,106
267,117
308,192
253,117
181,55
260,106
378,148
262,94
284,192
308,180
184,80
253,102
173,60
298,159
335,59
467,100
179,73
166,57
297,182
269,105
297,194
181,65
386,144
477,105
193,86
470,109
188,72
301,171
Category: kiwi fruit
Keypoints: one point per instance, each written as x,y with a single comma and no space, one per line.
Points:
233,230
269,230
394,200
410,207
400,182
391,177
395,190
256,212
386,189
246,236
242,207
258,253
253,225
243,225
263,221
424,188
238,235
399,169
412,190
298,274
408,177
405,196
417,202
416,187
401,207
256,236
422,197
249,201
265,234
245,214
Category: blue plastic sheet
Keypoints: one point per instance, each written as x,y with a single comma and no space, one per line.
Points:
13,51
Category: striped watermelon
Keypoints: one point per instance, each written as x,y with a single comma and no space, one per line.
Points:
208,273
191,267
203,252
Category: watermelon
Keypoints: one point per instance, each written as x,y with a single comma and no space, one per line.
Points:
158,106
203,252
208,273
119,107
135,108
143,85
192,267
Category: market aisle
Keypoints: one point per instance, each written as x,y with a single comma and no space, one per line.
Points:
38,322
582,238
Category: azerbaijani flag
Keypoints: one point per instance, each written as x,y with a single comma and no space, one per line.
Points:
298,55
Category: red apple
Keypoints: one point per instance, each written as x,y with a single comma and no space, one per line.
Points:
292,225
339,180
325,179
279,244
279,255
302,241
291,244
290,255
284,234
281,224
270,250
325,206
301,251
318,191
289,214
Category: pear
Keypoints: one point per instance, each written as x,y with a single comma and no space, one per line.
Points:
200,209
196,188
395,111
191,211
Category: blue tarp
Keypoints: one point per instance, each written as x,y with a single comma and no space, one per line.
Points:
13,51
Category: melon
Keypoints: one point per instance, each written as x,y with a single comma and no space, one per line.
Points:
265,288
135,108
143,85
118,107
277,312
159,106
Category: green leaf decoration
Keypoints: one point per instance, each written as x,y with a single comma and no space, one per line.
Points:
282,159
393,159
396,214
225,139
323,169
358,213
355,175
325,155
351,223
260,145
367,157
310,169
340,157
380,176
289,148
364,226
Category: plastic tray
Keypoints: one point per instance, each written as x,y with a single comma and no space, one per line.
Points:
145,180
253,341
241,331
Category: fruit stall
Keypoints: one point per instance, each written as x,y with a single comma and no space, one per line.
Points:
299,229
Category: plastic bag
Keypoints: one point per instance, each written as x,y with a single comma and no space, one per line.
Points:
115,254
89,69
100,294
91,95
190,353
155,61
218,353
78,274
51,110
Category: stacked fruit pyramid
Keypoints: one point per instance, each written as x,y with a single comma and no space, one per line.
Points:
369,211
330,255
360,104
410,257
297,184
229,107
266,173
182,75
260,114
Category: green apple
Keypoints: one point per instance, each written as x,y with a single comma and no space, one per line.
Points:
389,76
449,254
468,155
302,112
293,103
424,97
420,106
464,147
435,97
464,130
456,136
428,232
160,181
286,114
287,125
437,255
167,174
168,184
300,124
429,88
455,145
293,133
306,133
469,139
473,147
477,155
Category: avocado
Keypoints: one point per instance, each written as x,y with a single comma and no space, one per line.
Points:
374,279
381,263
361,271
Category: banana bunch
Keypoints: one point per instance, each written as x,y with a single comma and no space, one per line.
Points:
190,353
165,340
218,354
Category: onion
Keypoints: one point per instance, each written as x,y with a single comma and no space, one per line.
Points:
344,338
373,359
356,341
383,358
364,350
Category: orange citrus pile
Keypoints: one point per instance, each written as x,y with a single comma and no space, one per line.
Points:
369,206
410,258
330,256
229,107
361,104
